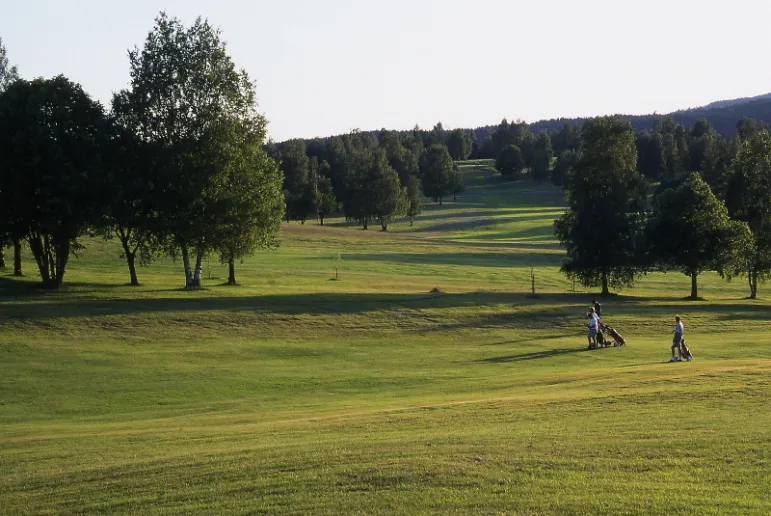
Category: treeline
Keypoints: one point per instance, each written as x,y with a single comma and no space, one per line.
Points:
371,177
176,166
667,149
613,234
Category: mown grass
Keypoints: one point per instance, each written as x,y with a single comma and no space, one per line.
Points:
294,393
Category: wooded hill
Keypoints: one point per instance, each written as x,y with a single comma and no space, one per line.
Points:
722,115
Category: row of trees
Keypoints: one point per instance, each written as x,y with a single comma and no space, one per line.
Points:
613,234
177,165
372,178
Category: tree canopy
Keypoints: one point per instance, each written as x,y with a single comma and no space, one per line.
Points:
601,230
748,198
690,231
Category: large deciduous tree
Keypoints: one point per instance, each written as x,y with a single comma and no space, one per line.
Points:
601,228
184,87
748,198
690,231
133,168
53,185
251,203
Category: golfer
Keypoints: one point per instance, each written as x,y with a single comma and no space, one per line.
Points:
593,325
678,331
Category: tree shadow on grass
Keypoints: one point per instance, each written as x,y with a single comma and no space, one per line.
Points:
550,312
535,355
481,259
56,305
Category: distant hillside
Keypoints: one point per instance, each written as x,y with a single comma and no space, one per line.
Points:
733,102
722,115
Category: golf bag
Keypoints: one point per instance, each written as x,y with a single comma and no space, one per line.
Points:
684,351
618,339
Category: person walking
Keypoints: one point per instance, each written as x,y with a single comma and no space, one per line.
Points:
597,307
678,331
594,326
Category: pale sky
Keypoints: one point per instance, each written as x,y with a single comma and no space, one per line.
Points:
326,67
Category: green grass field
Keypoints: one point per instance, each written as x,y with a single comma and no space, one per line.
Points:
294,393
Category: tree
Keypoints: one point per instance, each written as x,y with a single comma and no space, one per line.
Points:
540,162
509,162
651,161
748,199
459,144
8,74
414,199
435,171
326,202
133,168
295,164
717,161
487,150
252,204
184,89
455,182
690,231
388,195
52,199
602,227
747,127
437,136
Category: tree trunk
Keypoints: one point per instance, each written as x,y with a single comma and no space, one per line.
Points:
605,291
753,284
365,224
198,269
411,220
2,254
17,257
62,250
694,285
186,263
51,259
231,271
383,225
130,255
321,219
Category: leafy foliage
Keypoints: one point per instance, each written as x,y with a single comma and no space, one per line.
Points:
690,231
436,171
509,162
185,95
748,199
54,198
602,227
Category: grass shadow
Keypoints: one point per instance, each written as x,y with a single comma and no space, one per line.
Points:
535,355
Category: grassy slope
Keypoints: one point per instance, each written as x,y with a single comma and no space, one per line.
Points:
294,393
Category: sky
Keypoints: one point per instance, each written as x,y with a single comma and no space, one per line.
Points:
329,66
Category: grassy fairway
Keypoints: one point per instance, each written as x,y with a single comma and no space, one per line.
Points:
293,393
